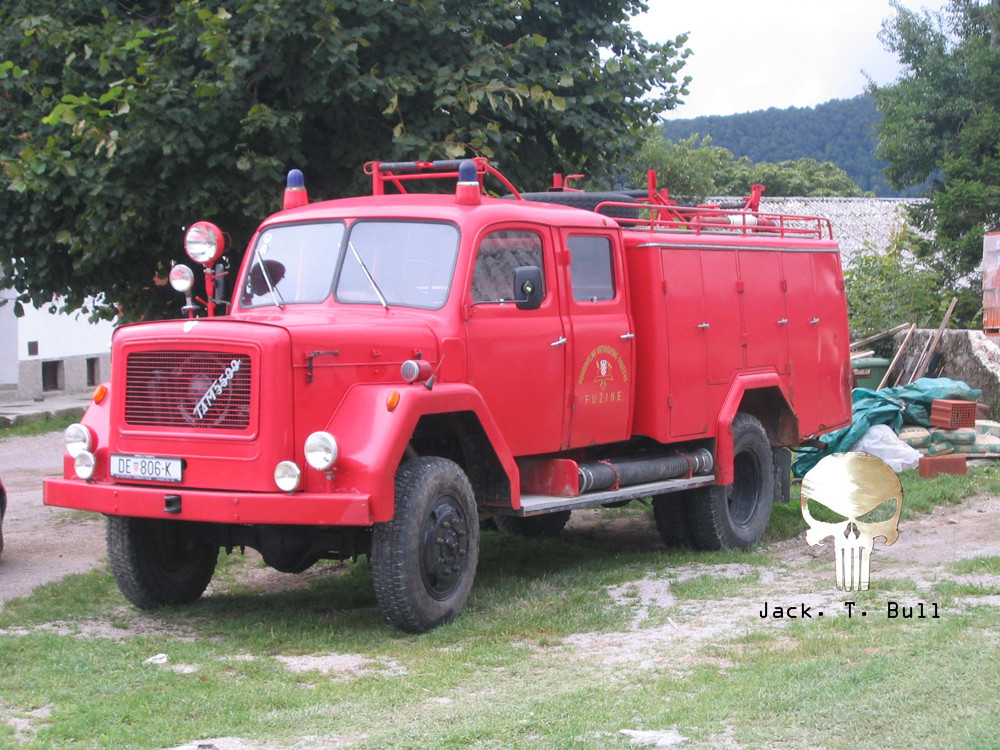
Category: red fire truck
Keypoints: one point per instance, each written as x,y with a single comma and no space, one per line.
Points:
397,368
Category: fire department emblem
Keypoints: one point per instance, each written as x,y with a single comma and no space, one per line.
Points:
602,377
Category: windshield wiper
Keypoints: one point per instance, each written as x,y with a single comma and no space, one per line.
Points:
368,275
275,295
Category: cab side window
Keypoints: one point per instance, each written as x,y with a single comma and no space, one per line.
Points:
591,269
499,254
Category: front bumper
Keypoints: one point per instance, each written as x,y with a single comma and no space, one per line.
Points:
209,506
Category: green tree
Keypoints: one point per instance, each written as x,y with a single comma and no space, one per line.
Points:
695,168
120,122
799,177
888,287
687,168
941,121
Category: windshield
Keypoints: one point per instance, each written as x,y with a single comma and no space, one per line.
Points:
293,263
406,263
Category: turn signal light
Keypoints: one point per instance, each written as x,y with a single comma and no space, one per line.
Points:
392,400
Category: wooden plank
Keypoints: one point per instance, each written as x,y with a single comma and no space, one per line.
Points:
880,336
925,363
895,360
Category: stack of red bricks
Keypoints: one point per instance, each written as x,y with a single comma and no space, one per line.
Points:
954,436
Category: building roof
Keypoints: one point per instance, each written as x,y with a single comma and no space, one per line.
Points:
856,221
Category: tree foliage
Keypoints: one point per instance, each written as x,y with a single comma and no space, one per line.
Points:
886,287
941,122
698,169
122,121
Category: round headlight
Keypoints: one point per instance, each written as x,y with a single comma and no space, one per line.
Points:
204,243
413,370
84,464
286,476
321,450
78,439
181,279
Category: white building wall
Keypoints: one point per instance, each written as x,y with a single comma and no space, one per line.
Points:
45,353
60,335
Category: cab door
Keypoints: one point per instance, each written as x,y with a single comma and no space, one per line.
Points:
517,358
601,340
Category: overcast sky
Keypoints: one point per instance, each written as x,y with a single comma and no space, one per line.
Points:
775,53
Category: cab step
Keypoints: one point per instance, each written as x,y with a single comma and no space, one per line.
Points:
532,505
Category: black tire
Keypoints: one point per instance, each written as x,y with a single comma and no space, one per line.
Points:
671,519
159,563
549,524
590,201
735,516
424,559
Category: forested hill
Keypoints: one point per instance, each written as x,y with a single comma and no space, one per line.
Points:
839,131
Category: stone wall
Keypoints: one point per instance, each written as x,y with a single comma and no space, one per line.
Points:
968,356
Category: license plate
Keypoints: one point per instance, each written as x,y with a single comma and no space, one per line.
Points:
150,468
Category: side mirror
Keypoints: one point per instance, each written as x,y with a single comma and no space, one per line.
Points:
528,288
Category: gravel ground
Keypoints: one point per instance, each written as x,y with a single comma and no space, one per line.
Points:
41,544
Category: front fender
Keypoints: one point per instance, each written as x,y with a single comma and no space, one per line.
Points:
373,435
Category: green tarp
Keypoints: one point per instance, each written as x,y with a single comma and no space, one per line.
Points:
905,404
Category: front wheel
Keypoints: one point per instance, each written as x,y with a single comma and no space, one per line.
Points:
424,559
159,563
735,516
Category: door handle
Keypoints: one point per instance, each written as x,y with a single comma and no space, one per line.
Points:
559,341
627,336
783,321
814,321
704,325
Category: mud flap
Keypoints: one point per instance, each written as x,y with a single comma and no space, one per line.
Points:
782,474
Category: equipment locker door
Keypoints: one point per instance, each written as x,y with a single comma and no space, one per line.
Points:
687,334
803,337
764,317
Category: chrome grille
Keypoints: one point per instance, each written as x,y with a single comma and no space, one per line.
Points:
201,390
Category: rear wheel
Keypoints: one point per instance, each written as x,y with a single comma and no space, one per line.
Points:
158,563
549,524
735,516
424,559
671,519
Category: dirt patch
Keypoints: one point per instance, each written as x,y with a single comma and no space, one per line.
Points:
344,666
667,631
127,622
41,544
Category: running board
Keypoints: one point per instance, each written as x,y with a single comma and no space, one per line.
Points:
532,505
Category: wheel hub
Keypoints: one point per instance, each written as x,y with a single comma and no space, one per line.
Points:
445,549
